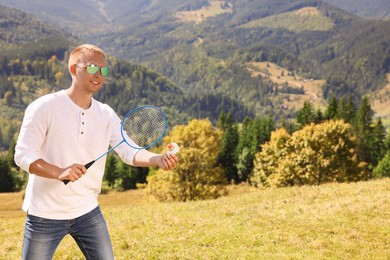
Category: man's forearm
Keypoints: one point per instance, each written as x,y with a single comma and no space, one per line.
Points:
44,169
145,158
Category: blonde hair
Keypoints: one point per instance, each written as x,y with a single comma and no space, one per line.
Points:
84,49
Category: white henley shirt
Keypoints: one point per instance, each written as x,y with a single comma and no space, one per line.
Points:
58,131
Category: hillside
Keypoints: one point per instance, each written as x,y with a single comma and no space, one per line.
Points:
21,34
203,47
372,9
33,62
304,19
295,89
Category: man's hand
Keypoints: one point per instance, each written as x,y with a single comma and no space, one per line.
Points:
72,173
165,161
47,170
168,161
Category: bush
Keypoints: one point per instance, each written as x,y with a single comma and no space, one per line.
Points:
7,178
314,155
196,177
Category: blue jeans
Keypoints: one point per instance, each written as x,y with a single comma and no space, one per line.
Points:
42,236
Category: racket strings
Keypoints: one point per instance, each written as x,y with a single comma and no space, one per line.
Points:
145,126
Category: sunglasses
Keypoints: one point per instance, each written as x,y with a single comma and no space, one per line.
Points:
92,69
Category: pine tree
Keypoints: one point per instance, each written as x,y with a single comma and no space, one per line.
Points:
7,180
305,115
111,172
383,167
247,148
342,109
346,109
332,109
319,116
377,142
362,127
227,153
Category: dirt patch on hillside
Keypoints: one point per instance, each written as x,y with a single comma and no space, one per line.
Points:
380,100
283,77
215,8
307,11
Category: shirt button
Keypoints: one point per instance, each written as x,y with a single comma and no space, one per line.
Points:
82,132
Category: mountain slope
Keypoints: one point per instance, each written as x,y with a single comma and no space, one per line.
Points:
204,47
33,62
20,34
304,19
373,9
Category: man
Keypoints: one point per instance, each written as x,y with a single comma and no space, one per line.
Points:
60,132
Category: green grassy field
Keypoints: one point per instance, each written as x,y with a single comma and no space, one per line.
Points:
333,221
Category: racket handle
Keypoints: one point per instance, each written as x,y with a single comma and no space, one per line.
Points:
89,164
86,166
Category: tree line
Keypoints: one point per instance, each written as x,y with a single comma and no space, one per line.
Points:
340,144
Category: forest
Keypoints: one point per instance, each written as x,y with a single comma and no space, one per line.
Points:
341,144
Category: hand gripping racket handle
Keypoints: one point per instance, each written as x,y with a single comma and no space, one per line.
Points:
86,166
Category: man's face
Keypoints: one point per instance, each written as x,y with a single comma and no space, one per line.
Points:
84,81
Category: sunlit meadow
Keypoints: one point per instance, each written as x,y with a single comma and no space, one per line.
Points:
333,221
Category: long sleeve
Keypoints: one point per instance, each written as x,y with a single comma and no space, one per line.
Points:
32,135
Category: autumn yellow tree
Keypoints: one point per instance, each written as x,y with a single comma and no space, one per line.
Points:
319,153
267,162
197,176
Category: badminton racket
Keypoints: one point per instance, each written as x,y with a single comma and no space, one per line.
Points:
141,128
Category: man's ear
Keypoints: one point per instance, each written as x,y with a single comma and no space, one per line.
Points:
72,69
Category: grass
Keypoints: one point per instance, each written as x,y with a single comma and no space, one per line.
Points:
333,221
305,19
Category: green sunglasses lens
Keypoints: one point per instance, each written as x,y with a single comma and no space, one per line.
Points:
92,69
104,71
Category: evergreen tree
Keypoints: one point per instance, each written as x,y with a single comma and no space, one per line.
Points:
129,176
254,133
244,164
289,126
128,179
305,115
346,109
221,122
247,148
332,109
342,109
383,167
362,127
227,153
377,142
318,117
111,172
387,143
7,180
